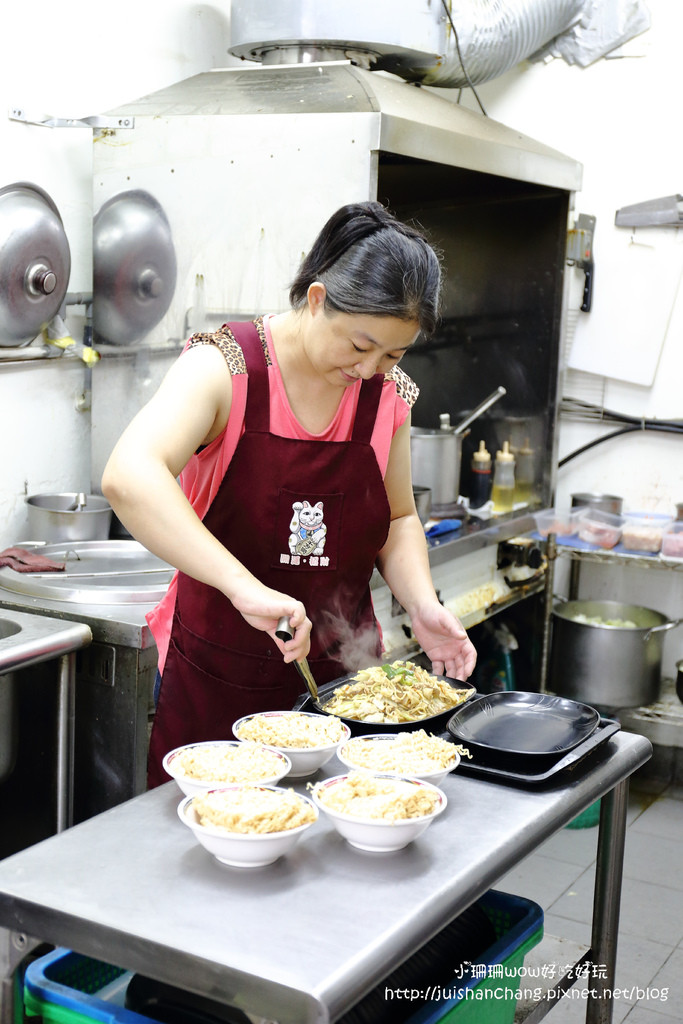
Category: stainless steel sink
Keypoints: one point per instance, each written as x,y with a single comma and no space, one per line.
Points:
26,640
8,628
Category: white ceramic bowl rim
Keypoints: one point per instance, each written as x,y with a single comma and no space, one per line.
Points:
167,762
334,813
222,833
297,750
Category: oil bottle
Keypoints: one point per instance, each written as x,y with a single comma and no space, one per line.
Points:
480,487
503,492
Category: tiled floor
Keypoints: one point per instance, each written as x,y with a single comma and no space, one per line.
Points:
560,877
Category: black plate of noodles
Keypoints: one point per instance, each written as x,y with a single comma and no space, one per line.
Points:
397,696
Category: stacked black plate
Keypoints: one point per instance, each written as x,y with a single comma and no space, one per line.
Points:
526,737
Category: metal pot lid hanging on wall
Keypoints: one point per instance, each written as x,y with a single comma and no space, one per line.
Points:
134,267
35,262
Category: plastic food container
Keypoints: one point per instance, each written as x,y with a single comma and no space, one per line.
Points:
672,540
600,528
562,522
643,531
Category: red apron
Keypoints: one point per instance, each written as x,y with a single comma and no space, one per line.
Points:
307,518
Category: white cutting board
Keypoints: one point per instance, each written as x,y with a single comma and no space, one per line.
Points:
636,286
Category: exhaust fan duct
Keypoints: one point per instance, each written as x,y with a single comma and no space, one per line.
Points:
415,39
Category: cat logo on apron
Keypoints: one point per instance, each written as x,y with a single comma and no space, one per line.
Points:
307,529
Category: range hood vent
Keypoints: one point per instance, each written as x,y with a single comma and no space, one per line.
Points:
416,39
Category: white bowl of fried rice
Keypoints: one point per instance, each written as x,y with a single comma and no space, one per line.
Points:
308,740
197,767
378,813
248,825
416,753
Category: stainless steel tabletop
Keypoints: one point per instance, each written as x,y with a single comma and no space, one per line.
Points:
303,939
26,639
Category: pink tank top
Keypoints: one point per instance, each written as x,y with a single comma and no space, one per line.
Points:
203,474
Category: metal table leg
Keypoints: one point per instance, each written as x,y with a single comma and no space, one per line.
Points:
66,727
574,575
609,868
551,558
14,946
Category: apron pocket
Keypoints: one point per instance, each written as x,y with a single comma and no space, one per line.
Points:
202,706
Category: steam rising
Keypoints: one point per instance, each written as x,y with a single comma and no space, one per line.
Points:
357,648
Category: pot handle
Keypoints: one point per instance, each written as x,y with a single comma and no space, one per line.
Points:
660,629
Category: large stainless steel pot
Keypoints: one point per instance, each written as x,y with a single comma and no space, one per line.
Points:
435,457
609,666
70,516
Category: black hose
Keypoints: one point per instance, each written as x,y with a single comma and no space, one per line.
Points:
668,428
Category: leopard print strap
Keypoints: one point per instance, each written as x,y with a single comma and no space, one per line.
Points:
406,388
226,343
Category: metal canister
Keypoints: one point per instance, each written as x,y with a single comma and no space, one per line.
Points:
605,502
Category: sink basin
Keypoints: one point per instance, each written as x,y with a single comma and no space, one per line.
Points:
8,628
25,640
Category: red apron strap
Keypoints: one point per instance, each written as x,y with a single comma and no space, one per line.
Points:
366,411
257,415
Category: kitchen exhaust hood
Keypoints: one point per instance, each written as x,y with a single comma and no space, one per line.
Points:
398,117
247,163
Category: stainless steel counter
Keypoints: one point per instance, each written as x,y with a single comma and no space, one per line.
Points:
304,939
27,640
31,639
123,624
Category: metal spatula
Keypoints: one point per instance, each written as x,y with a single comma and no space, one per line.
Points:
284,632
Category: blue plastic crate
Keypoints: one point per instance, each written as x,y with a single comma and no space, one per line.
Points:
489,999
68,988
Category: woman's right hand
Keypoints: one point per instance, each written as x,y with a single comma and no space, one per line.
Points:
263,608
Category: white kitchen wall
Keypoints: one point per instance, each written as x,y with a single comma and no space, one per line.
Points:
71,61
619,117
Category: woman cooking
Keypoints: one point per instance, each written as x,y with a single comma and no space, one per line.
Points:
291,438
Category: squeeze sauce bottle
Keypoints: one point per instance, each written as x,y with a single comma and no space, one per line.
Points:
524,474
480,489
504,480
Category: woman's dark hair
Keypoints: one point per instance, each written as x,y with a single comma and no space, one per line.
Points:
373,264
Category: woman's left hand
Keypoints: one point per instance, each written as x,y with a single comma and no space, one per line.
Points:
444,640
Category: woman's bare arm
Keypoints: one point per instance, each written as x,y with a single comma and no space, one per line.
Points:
190,408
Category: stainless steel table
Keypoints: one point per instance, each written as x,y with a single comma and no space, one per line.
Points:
28,640
303,940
